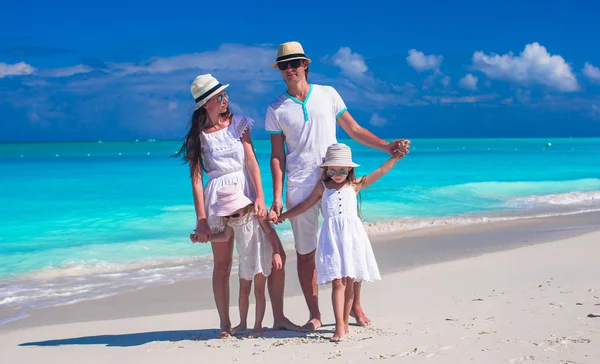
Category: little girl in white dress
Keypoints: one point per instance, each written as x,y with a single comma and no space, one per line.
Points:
257,246
344,252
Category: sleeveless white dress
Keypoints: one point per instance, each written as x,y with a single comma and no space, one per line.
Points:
224,163
255,253
344,248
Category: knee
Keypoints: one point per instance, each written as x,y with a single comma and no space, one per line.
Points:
306,258
338,284
222,266
245,289
259,290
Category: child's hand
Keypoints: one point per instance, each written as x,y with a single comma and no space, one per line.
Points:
280,219
272,217
277,262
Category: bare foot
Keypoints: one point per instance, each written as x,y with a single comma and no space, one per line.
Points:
241,327
258,332
311,325
346,329
338,335
225,333
360,317
285,324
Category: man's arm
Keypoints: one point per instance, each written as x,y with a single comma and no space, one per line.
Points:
365,137
277,170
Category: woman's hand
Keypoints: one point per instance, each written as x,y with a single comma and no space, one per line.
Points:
260,209
201,233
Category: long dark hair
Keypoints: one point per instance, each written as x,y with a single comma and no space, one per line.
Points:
353,181
191,150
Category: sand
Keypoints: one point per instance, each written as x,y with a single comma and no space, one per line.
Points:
497,293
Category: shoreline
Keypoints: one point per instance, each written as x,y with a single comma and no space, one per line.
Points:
395,252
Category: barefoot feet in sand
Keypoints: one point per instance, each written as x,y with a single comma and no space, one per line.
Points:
359,315
311,325
239,328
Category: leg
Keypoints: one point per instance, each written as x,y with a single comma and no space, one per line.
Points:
338,292
357,310
222,254
348,299
276,285
244,302
305,228
261,304
307,274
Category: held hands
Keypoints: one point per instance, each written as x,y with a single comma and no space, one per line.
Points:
260,209
201,233
277,261
399,145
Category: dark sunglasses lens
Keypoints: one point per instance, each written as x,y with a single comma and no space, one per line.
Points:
295,63
330,172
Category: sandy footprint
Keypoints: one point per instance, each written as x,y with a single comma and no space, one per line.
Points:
522,358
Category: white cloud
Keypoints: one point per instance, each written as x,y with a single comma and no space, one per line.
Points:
17,69
230,62
445,81
591,72
469,82
507,101
66,71
172,105
460,100
534,65
377,120
351,64
419,61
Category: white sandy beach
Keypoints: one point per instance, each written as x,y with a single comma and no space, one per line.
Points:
530,304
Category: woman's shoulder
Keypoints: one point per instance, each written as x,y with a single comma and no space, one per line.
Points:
240,123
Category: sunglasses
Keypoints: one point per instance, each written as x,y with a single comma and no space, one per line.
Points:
235,216
295,63
333,172
222,97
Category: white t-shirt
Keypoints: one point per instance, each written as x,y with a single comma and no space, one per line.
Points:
309,127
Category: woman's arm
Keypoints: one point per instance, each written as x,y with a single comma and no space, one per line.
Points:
202,231
251,164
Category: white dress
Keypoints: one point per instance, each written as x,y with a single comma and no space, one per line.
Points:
253,247
224,163
344,248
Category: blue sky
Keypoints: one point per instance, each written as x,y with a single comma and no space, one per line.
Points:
122,70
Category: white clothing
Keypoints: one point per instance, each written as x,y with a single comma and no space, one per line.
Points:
255,252
224,163
344,248
309,128
306,225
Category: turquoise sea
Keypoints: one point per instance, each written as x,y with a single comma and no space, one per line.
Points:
85,220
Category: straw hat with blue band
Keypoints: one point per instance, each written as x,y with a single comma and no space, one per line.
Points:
204,87
289,51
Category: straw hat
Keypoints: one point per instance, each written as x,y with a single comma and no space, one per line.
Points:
288,51
338,155
204,87
230,198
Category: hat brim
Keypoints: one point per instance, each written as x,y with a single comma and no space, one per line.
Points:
274,65
205,100
230,208
338,164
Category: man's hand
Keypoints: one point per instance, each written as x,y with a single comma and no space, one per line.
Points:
277,207
398,145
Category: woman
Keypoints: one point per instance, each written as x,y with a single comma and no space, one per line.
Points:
219,143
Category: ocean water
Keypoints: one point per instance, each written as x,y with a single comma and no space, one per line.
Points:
86,220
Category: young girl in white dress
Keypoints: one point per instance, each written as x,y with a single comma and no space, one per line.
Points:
257,246
344,252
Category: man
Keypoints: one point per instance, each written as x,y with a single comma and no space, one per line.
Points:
303,119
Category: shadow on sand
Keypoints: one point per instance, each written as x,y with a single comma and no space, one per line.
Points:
141,338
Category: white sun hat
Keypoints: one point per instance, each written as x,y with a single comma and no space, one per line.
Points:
288,51
204,87
230,198
338,155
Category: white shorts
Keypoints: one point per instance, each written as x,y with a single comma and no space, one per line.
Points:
306,225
